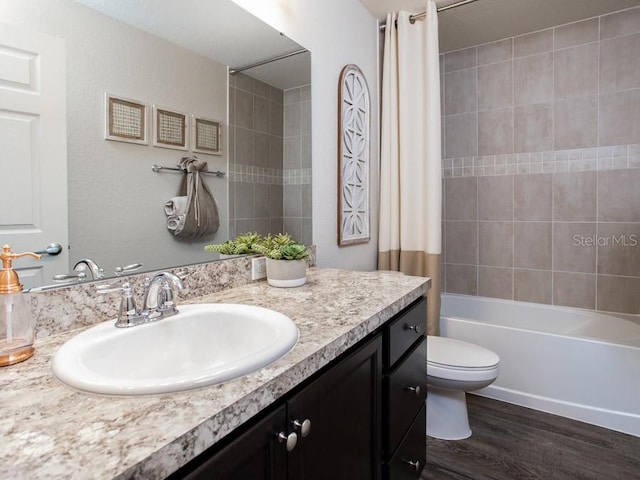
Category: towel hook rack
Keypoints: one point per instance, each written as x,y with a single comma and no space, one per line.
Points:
156,168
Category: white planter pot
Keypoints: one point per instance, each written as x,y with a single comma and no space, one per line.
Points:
286,273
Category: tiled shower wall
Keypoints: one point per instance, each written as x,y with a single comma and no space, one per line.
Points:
297,163
255,156
270,159
542,166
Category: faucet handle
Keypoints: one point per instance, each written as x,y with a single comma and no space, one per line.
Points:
128,268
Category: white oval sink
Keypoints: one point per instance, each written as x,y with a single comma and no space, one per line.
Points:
202,345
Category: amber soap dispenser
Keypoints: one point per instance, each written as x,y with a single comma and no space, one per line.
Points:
16,322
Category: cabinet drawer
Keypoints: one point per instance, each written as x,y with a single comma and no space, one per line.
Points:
405,330
411,457
406,392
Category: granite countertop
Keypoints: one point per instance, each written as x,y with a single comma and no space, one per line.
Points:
52,431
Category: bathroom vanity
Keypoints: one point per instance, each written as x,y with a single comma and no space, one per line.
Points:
346,402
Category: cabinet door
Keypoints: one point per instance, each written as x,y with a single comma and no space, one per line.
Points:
343,407
255,455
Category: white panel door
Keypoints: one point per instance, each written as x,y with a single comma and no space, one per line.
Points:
33,150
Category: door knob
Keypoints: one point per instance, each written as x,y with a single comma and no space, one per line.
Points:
304,427
290,440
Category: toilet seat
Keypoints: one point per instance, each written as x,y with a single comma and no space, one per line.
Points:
452,359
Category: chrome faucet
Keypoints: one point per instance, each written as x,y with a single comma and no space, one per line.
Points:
88,264
157,302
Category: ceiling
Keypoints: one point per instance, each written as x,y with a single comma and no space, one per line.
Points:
488,20
220,30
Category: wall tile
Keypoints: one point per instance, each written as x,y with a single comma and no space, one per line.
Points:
576,71
244,109
276,199
460,59
292,120
619,249
576,33
276,95
276,154
575,123
618,294
574,196
461,198
533,128
495,282
291,153
574,290
305,151
495,52
533,195
461,135
261,89
292,205
262,200
532,245
244,200
495,132
574,247
533,43
462,244
293,226
620,118
461,279
495,243
460,92
245,225
532,286
261,150
495,198
533,79
244,82
619,196
244,146
276,119
619,65
495,86
292,96
620,23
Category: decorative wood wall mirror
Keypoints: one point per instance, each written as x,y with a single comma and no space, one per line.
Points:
354,110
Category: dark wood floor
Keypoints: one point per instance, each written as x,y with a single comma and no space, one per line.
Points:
514,443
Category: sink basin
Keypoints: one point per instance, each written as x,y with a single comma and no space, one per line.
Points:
202,345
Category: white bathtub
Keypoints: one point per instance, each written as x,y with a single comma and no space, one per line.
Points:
575,363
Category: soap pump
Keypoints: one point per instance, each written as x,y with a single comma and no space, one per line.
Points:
16,322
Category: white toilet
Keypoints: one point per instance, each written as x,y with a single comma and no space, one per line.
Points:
454,367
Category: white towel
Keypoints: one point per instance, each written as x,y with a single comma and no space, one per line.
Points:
176,206
175,221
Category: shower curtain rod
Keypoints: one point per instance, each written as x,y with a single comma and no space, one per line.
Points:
233,71
419,16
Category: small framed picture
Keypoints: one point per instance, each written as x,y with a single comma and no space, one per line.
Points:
125,120
206,135
170,128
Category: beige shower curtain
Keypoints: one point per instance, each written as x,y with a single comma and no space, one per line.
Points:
410,234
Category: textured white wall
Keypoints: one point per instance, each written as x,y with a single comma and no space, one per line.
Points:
337,32
116,202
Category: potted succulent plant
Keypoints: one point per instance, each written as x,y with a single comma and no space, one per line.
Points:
241,245
286,260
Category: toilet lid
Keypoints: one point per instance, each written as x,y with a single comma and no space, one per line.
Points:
458,354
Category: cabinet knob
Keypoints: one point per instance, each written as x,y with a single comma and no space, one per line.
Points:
290,440
414,463
415,328
304,427
414,389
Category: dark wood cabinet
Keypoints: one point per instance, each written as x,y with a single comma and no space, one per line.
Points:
332,424
359,418
405,392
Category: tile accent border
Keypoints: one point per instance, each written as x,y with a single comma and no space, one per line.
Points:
270,176
618,157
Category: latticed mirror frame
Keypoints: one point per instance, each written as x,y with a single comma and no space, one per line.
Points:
354,125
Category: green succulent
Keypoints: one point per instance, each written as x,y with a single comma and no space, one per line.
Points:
281,247
241,245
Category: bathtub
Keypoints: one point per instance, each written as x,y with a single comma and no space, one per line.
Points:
574,363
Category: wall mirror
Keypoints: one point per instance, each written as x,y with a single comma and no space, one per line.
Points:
176,55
